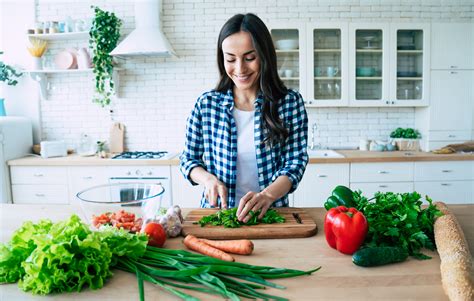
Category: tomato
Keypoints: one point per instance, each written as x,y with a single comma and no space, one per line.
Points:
156,234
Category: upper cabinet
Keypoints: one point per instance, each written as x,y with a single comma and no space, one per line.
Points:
289,40
328,76
452,45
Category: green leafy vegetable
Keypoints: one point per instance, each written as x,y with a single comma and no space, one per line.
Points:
397,220
65,256
407,133
228,218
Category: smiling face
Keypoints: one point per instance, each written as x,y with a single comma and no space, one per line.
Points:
241,61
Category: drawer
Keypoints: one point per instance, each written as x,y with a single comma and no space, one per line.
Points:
139,171
449,135
381,172
444,171
452,192
369,189
84,177
40,194
38,175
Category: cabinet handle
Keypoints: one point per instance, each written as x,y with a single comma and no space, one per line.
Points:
393,102
39,194
87,178
453,67
445,184
387,102
446,170
322,176
383,186
38,175
383,172
451,136
453,72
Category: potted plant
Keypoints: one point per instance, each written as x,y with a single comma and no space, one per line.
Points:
104,35
9,75
406,139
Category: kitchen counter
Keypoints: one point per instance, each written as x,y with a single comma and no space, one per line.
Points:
338,278
350,156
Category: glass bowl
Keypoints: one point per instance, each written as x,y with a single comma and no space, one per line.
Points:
124,205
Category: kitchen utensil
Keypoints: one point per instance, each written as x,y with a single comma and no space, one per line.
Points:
142,199
332,71
116,137
286,44
66,59
406,74
288,73
298,224
83,59
365,71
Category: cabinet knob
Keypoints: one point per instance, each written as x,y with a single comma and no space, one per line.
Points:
322,176
150,173
39,194
393,102
38,175
138,172
453,67
129,173
382,172
383,186
446,170
387,102
445,184
453,72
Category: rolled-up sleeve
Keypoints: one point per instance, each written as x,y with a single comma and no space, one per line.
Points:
192,154
295,153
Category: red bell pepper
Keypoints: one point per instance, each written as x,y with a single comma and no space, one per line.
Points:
345,229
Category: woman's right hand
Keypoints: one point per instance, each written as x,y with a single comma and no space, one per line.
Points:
214,189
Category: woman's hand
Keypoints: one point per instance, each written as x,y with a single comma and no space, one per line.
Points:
253,201
213,189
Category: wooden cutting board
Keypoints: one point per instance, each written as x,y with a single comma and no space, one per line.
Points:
298,224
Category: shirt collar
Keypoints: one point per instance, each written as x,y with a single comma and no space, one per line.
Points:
228,100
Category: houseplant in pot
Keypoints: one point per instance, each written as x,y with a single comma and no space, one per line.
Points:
406,139
104,35
9,75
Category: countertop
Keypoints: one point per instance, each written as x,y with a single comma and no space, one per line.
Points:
350,156
338,278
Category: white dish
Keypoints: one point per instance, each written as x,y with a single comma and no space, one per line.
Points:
286,44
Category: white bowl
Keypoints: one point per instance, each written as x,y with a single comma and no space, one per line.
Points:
287,44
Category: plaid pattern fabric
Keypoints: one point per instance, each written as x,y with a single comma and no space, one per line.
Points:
211,142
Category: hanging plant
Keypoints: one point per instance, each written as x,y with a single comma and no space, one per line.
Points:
8,74
104,35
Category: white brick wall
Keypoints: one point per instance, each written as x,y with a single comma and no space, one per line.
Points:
157,94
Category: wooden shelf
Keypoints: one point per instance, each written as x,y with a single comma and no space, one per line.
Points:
327,78
369,50
409,78
287,51
368,77
290,78
410,51
60,36
336,50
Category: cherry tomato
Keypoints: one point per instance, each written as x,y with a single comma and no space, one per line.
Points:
156,234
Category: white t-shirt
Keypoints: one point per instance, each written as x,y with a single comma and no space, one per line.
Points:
247,175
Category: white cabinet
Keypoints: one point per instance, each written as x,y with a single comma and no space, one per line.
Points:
39,184
84,177
452,46
328,58
389,176
184,194
318,182
450,182
290,46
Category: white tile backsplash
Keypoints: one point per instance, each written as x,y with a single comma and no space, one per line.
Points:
157,94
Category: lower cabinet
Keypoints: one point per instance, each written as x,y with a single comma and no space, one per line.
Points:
84,177
185,195
318,182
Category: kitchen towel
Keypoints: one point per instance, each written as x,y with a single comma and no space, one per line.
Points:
116,137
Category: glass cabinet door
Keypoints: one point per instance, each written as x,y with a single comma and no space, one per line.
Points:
287,45
409,83
327,57
369,64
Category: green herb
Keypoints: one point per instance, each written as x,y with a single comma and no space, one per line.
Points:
228,218
397,220
66,256
175,269
8,74
407,133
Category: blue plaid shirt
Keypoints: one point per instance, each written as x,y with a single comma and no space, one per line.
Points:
211,142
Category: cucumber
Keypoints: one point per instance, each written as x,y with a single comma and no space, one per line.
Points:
374,256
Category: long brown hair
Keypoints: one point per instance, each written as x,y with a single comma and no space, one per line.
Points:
271,86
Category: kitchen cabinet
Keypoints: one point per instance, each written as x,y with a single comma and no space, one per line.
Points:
389,64
318,182
184,194
39,184
452,46
84,177
290,46
384,177
328,58
450,182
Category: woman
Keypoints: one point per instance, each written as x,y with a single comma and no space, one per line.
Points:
246,140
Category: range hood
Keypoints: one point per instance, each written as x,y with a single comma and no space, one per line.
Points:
147,39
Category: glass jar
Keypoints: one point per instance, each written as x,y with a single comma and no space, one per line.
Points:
53,28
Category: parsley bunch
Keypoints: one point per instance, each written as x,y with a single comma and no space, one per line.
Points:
228,218
397,219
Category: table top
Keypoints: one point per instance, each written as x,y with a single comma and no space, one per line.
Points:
338,278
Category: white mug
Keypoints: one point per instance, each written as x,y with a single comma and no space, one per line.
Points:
364,144
332,71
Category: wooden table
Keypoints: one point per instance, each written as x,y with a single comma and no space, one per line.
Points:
339,278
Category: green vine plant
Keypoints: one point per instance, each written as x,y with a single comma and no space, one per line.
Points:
8,74
104,35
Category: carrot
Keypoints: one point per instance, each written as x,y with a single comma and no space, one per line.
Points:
193,243
241,246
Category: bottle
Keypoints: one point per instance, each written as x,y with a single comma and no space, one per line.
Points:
54,27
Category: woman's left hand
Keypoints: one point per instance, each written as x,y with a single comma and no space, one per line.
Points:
253,201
